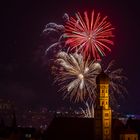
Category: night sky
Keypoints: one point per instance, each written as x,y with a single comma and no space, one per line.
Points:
24,74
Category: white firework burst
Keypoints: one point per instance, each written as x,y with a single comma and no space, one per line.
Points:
76,76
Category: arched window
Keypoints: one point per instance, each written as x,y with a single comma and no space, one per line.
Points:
102,102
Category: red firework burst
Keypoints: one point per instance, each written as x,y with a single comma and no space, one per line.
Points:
89,36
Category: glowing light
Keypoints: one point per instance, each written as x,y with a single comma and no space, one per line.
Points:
97,66
80,76
89,111
76,77
89,36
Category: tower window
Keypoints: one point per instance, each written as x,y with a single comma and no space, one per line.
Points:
106,114
102,102
106,132
102,91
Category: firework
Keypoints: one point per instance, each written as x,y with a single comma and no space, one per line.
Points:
55,32
89,111
117,88
76,76
89,36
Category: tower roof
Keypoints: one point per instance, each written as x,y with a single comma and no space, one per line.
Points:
102,78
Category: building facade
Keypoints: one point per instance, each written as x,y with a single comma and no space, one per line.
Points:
128,134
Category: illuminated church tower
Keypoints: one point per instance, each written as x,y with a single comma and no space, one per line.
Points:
103,114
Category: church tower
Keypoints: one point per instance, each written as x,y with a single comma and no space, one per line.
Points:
103,114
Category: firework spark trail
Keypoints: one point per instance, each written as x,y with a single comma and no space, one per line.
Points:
76,76
89,111
89,36
117,79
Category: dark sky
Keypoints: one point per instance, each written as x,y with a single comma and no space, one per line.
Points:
23,75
